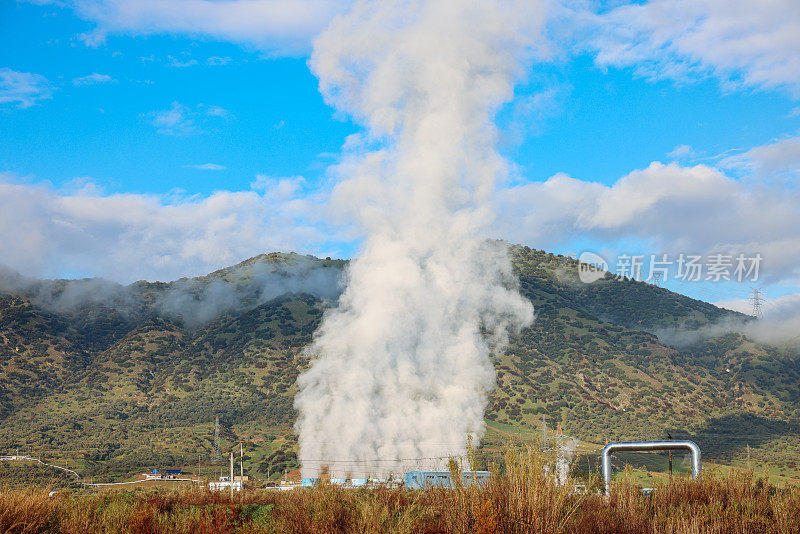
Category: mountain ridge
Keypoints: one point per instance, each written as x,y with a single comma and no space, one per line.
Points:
126,383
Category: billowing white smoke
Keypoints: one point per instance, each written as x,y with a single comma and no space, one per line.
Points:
401,368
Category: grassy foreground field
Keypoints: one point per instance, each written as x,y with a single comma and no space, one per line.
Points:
522,499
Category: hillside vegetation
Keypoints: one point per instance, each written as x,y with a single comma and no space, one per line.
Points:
113,379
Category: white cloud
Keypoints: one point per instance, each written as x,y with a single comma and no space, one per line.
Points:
682,152
184,61
779,159
279,188
207,167
92,79
678,209
750,43
216,111
24,89
273,26
93,39
182,120
180,63
530,113
178,120
216,61
125,237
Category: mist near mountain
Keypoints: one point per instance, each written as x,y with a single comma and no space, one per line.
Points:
779,326
193,301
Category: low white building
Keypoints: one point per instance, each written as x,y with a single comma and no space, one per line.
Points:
225,485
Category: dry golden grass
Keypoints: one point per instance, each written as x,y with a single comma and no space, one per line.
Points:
522,499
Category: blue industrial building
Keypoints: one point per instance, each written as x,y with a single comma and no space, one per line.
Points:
442,479
413,480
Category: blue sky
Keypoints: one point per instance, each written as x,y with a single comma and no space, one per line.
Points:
146,114
271,117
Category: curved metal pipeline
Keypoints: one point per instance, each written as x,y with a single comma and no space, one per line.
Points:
676,445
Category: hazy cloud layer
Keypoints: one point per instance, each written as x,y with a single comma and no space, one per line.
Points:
681,209
193,301
66,295
780,324
125,237
197,302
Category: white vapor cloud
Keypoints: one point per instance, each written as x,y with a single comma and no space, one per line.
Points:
92,79
24,89
401,367
125,237
743,43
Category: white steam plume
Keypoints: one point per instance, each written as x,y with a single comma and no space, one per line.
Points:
401,368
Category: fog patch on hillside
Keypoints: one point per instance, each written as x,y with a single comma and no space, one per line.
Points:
194,301
779,326
64,296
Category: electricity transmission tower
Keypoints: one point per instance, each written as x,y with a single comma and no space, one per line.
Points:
757,300
216,457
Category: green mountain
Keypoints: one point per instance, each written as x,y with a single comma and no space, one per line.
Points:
113,379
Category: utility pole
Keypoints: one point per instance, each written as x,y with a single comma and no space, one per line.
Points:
241,469
231,479
757,300
544,432
560,466
215,455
